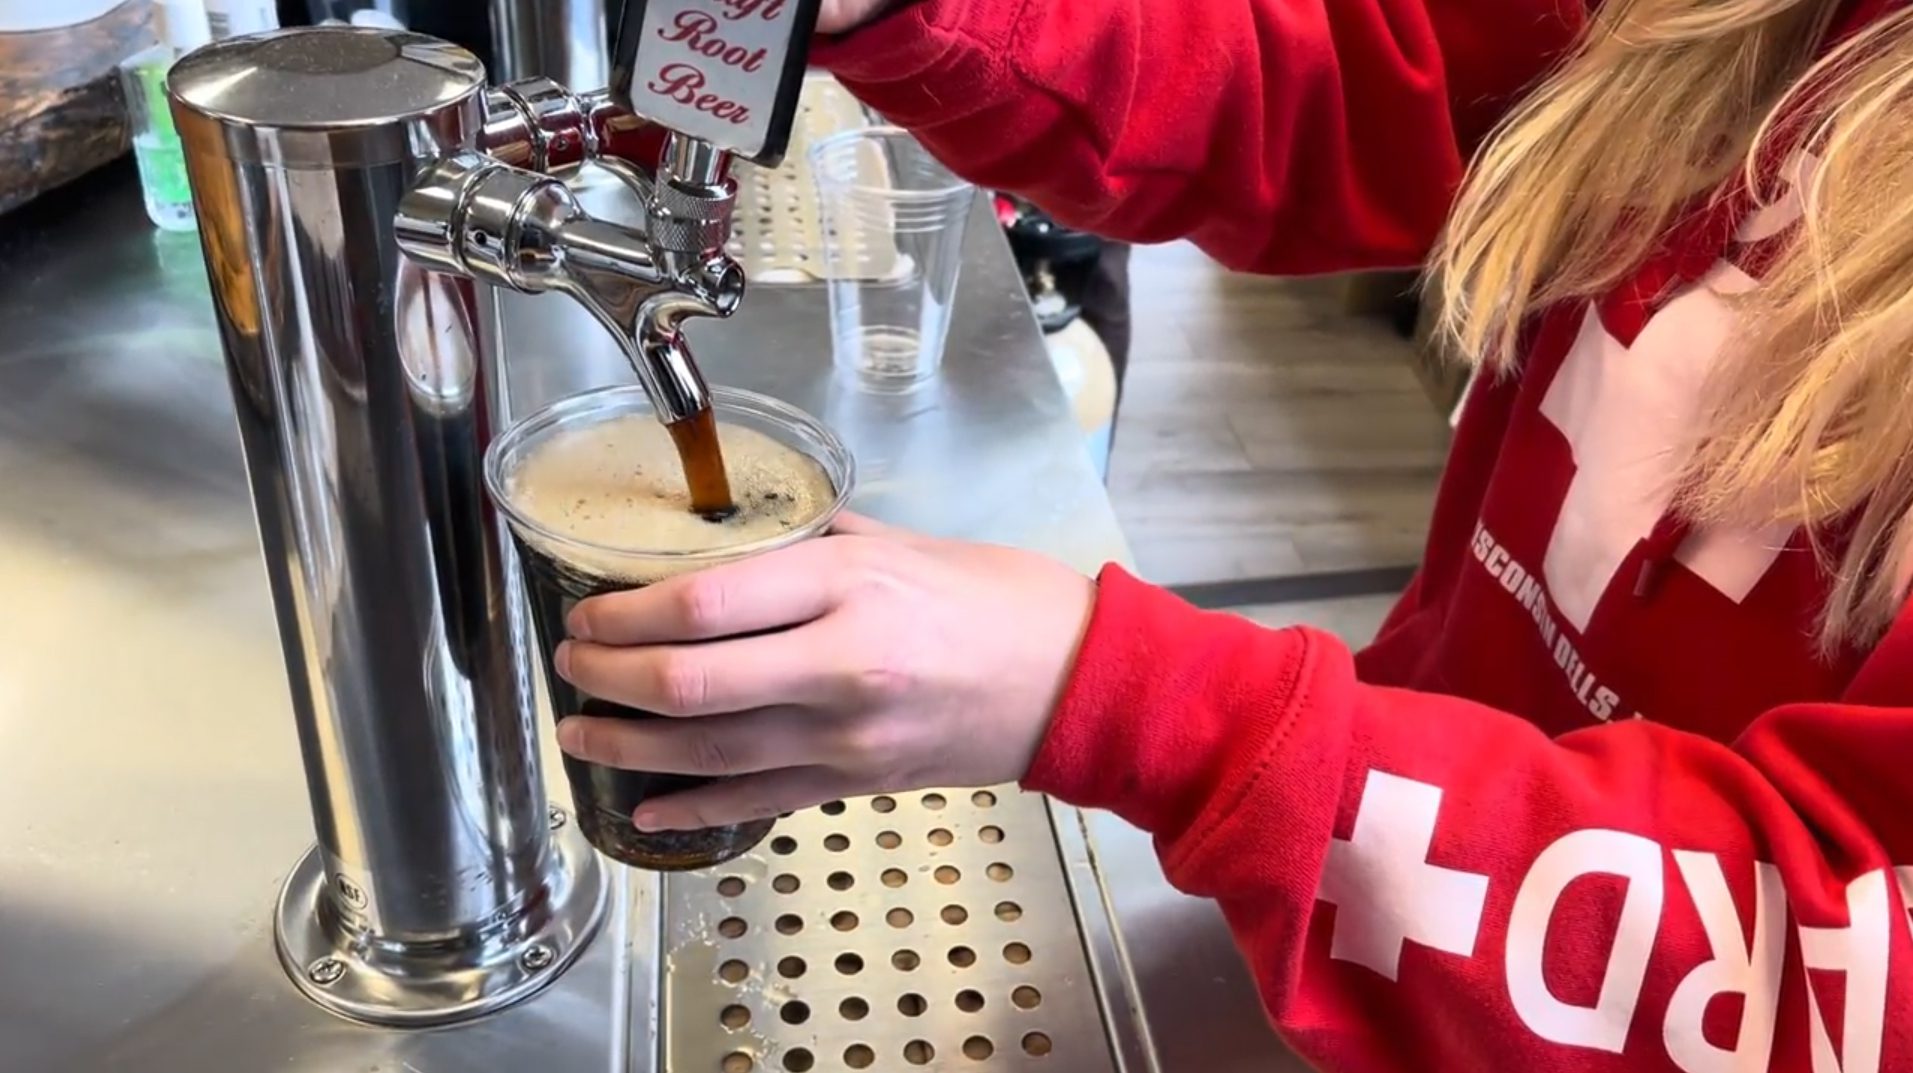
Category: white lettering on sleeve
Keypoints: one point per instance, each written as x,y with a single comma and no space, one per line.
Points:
1604,1025
1384,890
1750,969
1858,951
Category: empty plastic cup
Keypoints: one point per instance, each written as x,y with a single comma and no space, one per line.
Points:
893,220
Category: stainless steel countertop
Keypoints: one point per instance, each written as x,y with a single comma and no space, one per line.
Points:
150,791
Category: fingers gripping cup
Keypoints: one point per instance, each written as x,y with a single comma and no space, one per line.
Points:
597,502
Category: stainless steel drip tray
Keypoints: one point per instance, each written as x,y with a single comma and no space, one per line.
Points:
928,930
777,233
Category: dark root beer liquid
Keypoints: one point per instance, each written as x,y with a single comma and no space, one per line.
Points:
616,512
701,454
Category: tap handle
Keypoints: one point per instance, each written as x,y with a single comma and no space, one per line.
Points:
724,72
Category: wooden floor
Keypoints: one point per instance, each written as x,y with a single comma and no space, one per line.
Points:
1265,432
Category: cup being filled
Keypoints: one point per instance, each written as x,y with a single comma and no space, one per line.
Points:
597,501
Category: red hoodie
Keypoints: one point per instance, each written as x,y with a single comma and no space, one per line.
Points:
1591,801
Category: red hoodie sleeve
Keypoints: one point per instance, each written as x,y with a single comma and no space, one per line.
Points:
1424,883
1281,135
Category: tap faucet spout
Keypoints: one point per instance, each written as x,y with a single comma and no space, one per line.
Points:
474,216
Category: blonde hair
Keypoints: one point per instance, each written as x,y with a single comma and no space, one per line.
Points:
1665,105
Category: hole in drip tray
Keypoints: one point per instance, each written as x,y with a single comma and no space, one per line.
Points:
791,968
737,1062
853,1009
947,874
1026,997
895,877
1036,1044
969,1001
978,1048
841,881
836,843
934,802
962,957
783,845
734,1017
794,1012
1016,954
941,837
954,914
858,1056
786,884
889,839
1008,911
730,886
911,1005
918,1052
983,799
849,964
733,971
899,918
1001,872
884,803
789,924
991,835
732,927
905,960
844,920
832,808
799,1060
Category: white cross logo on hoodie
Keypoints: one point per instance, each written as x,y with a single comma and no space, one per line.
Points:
1630,414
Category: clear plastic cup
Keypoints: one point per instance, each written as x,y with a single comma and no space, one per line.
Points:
893,220
561,568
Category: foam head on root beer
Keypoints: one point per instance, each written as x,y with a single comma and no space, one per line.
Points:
614,488
598,502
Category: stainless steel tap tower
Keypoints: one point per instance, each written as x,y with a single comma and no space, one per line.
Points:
353,187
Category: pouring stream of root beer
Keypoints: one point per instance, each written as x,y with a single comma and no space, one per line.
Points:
725,76
702,457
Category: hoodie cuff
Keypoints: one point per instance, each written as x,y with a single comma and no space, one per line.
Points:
1166,704
913,62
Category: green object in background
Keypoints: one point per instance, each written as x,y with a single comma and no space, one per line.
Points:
162,163
183,27
152,82
162,170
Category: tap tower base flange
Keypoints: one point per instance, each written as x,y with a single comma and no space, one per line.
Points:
365,978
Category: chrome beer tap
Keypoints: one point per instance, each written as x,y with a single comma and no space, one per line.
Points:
353,187
694,82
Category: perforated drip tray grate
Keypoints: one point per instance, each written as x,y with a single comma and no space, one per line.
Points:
916,931
776,233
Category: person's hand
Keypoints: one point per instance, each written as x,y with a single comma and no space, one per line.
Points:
892,662
842,16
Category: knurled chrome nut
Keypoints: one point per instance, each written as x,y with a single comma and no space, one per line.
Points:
669,200
687,236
